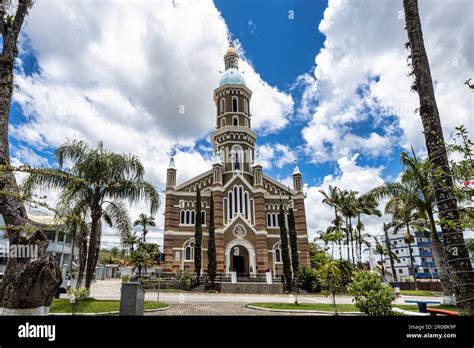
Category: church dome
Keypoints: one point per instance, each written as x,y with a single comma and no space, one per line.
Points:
231,76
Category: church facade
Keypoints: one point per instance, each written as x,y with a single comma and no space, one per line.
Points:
246,201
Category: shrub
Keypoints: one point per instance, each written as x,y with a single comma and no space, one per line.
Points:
76,296
184,278
371,296
125,278
309,279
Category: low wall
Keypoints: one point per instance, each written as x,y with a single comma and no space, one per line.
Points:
251,288
428,286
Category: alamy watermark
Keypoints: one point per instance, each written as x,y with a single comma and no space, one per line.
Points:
19,251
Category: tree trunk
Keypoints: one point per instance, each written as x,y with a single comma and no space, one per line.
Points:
94,242
411,266
383,263
82,255
459,263
389,249
29,284
439,256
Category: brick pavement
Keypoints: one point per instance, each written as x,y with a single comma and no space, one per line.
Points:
218,309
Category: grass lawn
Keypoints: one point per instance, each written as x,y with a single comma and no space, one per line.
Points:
327,307
96,306
420,293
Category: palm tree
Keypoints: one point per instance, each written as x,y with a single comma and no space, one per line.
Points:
405,216
409,239
380,249
388,245
98,181
130,240
365,204
139,259
347,206
415,186
456,250
333,199
145,221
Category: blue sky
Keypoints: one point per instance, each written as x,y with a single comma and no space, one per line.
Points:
330,85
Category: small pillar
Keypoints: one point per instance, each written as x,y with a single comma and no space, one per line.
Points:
132,299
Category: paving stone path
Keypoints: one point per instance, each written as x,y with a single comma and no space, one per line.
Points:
218,309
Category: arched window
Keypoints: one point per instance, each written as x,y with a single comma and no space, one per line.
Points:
203,217
237,157
235,106
189,251
246,107
269,219
277,255
274,220
223,122
188,217
246,122
193,217
222,106
235,120
231,205
182,219
246,205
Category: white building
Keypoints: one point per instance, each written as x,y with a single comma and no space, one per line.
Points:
423,262
60,243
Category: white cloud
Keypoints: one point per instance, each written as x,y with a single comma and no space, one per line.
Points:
269,155
139,77
133,76
365,39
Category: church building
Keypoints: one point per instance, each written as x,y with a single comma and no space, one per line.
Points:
246,201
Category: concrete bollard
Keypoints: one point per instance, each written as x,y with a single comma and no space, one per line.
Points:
132,299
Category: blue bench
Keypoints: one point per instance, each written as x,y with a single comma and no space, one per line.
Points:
422,304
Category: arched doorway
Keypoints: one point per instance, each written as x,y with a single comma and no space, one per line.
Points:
239,261
244,260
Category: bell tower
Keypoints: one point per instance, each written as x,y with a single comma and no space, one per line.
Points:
233,138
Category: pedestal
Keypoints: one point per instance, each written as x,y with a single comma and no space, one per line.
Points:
132,299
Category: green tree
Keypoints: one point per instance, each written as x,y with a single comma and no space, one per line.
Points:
456,251
371,296
333,199
416,187
19,288
331,279
144,220
382,250
317,256
386,228
211,246
284,249
198,237
139,258
97,181
130,240
309,279
348,208
293,238
405,216
365,204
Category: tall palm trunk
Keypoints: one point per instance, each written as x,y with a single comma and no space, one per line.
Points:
347,241
383,264
459,263
94,241
82,255
411,259
352,240
20,290
390,255
439,257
